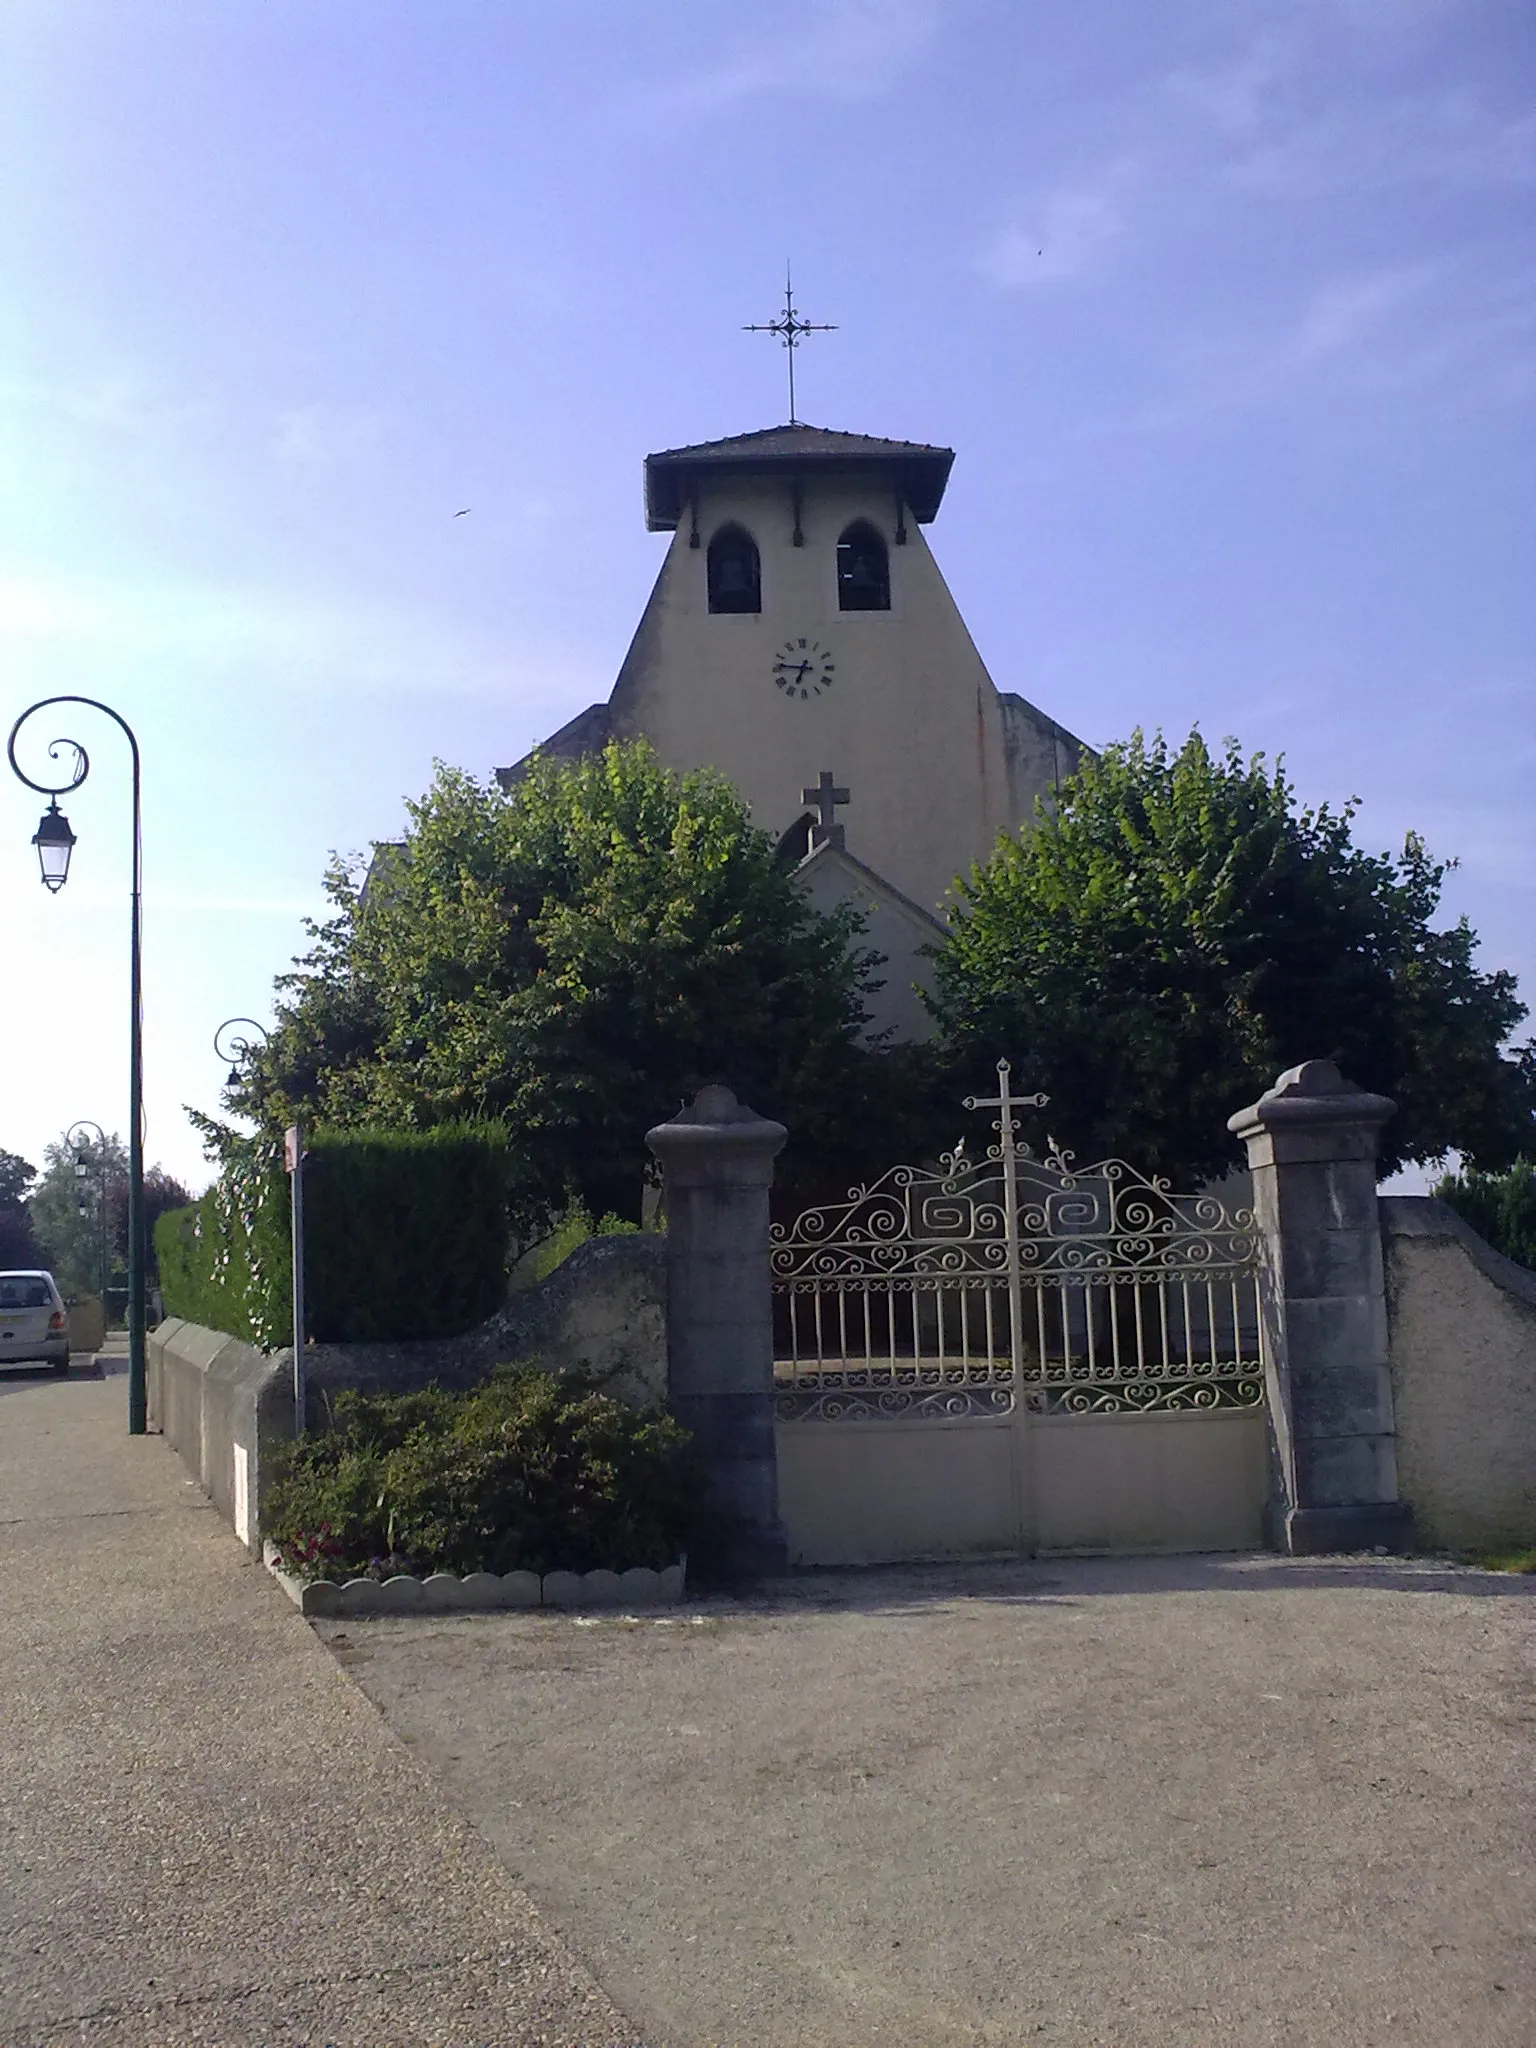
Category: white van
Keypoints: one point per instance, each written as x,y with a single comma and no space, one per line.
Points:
34,1324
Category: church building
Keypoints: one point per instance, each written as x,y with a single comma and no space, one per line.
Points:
801,639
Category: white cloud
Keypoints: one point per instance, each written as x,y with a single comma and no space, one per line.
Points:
1447,139
1346,311
854,49
79,628
324,436
1373,333
124,399
1064,232
1234,97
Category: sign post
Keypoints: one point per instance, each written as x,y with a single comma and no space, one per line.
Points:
293,1161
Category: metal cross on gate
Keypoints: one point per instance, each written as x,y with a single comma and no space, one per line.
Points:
826,795
1006,1153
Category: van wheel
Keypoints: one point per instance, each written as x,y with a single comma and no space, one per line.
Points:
61,1366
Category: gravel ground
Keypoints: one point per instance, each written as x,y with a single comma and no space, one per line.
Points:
208,1835
1227,1803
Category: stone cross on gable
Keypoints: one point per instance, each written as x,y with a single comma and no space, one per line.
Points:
826,795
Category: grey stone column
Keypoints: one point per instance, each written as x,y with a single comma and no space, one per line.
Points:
717,1156
1313,1141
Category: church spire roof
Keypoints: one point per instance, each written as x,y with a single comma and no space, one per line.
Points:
914,468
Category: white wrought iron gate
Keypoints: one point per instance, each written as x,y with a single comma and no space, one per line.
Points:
1018,1353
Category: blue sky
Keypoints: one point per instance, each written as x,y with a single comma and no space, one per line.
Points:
1227,309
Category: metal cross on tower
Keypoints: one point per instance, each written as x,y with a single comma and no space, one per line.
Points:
826,795
789,327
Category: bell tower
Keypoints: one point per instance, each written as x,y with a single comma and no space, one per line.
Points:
800,623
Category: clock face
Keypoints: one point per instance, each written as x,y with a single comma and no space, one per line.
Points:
803,667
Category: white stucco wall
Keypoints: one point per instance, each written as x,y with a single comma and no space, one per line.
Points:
1462,1350
892,927
911,722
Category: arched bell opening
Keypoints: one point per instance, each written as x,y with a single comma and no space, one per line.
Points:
735,576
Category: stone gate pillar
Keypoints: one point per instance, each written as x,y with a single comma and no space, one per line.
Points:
1313,1141
717,1157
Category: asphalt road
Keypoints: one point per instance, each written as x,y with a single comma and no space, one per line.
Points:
1179,1804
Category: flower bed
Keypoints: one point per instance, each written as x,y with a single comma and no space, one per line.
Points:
448,1593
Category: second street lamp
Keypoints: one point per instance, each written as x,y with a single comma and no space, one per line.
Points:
80,1145
232,1045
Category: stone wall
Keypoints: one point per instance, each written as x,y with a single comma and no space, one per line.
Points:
222,1404
602,1313
1462,1349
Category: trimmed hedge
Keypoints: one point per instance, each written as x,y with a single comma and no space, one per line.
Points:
1501,1207
405,1236
529,1472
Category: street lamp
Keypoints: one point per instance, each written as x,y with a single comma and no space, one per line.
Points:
79,1144
55,842
234,1049
229,1044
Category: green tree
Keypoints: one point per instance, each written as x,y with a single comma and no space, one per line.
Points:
1501,1207
80,1223
576,956
17,1247
1153,951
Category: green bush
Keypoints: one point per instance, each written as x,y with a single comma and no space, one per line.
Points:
1501,1207
405,1236
529,1471
572,1230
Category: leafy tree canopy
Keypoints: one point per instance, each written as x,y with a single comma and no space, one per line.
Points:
17,1248
1153,951
80,1222
577,955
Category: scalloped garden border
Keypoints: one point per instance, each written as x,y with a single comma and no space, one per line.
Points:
480,1592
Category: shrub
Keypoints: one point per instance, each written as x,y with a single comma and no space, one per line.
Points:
571,1231
1500,1207
405,1236
530,1471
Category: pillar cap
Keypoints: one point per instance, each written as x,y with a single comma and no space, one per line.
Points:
1313,1093
716,1126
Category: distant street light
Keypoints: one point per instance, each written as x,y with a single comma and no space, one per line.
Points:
55,842
235,1049
80,1146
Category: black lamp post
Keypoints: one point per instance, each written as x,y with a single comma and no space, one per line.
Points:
55,842
77,1141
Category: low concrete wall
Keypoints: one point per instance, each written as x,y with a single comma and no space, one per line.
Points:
880,1491
221,1404
1462,1347
1190,1479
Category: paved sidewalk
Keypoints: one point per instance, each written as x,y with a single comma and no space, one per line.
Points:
206,1832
